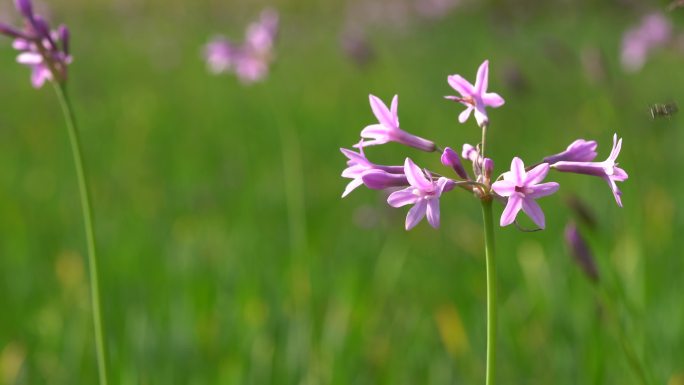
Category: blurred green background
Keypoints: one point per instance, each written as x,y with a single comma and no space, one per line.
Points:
227,255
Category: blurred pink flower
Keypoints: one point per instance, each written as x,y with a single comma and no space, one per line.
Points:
250,60
44,51
654,31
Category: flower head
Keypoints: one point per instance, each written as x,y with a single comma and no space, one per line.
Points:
250,60
608,169
387,129
522,188
475,97
44,51
423,193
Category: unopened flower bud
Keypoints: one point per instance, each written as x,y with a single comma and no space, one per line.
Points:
25,7
42,26
580,252
488,168
451,159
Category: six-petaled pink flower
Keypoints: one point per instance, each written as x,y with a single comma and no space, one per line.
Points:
387,129
423,194
475,97
607,170
522,188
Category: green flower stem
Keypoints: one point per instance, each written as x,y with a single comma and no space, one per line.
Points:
491,289
60,88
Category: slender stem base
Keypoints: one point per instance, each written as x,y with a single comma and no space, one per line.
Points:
491,289
90,234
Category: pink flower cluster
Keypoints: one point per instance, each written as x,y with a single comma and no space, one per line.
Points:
654,31
519,188
44,51
250,60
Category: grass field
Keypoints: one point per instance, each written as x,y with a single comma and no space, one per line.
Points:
227,255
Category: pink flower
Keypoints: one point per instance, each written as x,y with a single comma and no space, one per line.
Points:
423,193
387,129
250,60
358,166
522,189
638,42
44,51
607,170
475,97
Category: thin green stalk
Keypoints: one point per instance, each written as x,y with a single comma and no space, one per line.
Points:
491,289
88,224
633,359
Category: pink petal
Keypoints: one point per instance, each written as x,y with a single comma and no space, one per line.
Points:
433,212
402,197
542,190
481,116
394,110
619,174
29,58
351,186
463,116
518,171
532,209
616,191
461,85
442,184
354,156
512,208
617,145
379,132
504,187
416,177
481,81
416,213
492,100
537,174
381,112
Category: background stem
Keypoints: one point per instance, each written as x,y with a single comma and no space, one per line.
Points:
491,289
88,224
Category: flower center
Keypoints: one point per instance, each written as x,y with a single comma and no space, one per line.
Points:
522,190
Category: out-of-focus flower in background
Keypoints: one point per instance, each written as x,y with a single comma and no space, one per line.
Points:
250,60
44,51
581,254
654,31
